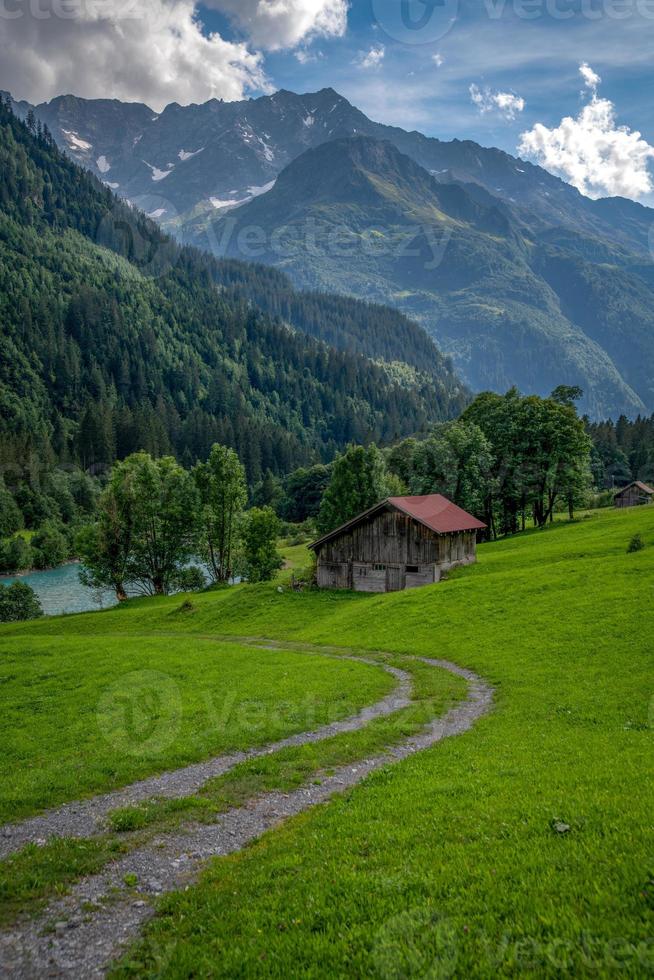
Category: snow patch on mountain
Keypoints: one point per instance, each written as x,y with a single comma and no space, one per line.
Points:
159,174
74,141
185,155
251,193
103,164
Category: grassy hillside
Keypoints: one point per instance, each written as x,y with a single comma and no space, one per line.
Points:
522,847
76,720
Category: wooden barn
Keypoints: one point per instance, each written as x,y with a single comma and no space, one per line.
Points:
401,543
635,495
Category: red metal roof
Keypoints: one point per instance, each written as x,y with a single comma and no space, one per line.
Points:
437,513
434,511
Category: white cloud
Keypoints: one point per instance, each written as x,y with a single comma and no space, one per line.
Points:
154,52
438,59
591,151
506,104
277,24
372,58
591,79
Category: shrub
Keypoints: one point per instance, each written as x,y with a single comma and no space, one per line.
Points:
15,555
190,579
18,602
636,544
50,546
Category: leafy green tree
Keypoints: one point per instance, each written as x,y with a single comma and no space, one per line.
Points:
18,602
359,480
541,455
456,461
104,548
223,494
49,546
147,527
259,532
567,394
303,492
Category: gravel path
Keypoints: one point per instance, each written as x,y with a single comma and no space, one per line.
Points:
88,817
70,941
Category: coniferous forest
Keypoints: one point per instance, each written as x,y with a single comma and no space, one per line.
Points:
115,339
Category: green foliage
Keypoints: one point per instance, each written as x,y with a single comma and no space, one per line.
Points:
11,519
223,494
259,533
541,455
302,493
636,544
49,546
358,480
623,451
15,554
455,460
147,527
18,601
191,579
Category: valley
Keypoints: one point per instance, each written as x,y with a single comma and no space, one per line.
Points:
557,286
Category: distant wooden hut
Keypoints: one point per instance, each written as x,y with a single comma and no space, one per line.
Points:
635,495
400,543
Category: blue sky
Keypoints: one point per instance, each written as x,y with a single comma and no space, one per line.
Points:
490,71
538,59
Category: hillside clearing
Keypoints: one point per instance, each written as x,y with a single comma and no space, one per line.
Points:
522,847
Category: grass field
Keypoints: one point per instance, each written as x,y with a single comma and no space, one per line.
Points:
521,848
79,717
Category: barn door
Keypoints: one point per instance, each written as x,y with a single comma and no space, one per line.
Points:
394,578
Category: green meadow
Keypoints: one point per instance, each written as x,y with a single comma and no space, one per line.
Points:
521,848
93,712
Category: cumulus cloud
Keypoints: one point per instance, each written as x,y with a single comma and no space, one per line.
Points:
438,59
277,24
591,79
591,151
153,52
372,58
506,104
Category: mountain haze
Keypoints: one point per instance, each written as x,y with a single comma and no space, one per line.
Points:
534,284
357,215
117,339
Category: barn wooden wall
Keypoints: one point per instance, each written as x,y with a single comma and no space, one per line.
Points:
390,538
633,497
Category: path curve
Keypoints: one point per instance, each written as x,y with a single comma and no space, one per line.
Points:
84,946
86,818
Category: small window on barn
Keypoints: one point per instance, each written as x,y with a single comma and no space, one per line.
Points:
379,568
412,569
362,571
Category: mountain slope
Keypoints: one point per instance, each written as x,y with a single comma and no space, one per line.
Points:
204,158
357,215
118,339
502,304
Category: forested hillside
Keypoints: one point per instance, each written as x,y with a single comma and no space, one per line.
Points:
116,339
